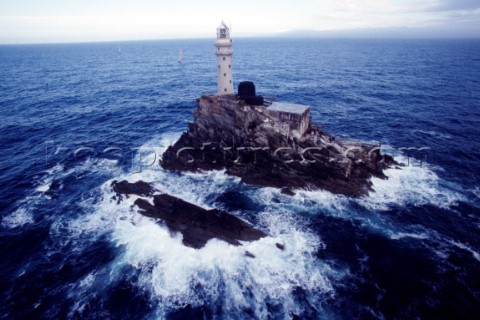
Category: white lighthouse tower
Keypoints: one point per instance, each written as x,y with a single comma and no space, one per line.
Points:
224,54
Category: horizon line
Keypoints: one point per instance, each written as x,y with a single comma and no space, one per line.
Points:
288,35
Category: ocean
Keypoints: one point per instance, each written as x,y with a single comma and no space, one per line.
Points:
75,117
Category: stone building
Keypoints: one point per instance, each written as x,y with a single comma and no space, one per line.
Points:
297,116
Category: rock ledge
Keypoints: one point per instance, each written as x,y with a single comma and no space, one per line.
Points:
196,224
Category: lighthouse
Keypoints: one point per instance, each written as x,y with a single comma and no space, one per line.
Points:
224,54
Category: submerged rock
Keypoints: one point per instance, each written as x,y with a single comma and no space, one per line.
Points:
245,140
139,188
288,192
196,224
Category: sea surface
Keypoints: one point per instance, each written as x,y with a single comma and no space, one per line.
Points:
75,117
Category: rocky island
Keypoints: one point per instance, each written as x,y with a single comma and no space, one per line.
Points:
273,144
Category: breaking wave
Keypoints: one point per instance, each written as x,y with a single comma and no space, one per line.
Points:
177,276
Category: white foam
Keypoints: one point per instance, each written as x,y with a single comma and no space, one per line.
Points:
97,218
55,172
476,192
55,169
152,150
173,272
410,185
176,275
46,182
97,165
402,235
18,218
303,200
434,134
414,185
192,187
43,188
465,247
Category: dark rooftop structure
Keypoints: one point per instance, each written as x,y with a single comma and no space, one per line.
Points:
247,92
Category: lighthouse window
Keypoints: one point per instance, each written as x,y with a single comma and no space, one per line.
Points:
223,58
218,66
229,67
230,81
224,74
225,89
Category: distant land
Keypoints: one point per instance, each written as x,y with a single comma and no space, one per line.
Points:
399,33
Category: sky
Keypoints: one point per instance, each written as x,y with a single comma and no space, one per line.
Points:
51,21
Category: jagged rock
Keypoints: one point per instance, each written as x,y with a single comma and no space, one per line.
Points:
229,134
139,188
198,225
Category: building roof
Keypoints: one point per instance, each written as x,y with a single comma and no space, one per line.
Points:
288,107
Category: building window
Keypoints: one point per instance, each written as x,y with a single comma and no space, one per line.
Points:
224,74
229,67
218,66
230,81
225,89
224,59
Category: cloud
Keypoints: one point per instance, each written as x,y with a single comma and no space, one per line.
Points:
360,14
456,5
350,14
90,20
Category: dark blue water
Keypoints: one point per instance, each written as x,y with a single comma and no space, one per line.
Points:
75,117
